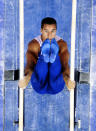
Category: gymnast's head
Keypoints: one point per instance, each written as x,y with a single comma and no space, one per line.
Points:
48,28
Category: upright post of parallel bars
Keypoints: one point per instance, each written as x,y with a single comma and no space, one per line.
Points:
21,94
73,30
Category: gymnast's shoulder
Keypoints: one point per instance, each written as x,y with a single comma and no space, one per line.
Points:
34,45
62,45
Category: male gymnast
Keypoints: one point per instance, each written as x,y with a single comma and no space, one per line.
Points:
47,61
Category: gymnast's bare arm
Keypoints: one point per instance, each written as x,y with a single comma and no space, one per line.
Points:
64,58
31,58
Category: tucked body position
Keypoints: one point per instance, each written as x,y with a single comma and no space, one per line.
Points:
47,61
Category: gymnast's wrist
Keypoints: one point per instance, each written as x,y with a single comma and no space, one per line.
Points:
66,79
28,72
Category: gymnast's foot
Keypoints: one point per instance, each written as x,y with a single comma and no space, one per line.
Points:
45,50
54,50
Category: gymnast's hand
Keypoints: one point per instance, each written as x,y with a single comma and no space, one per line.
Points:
54,50
24,82
70,84
45,50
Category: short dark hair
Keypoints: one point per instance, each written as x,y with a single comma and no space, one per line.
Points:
48,20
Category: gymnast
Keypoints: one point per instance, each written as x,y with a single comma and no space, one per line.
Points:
47,61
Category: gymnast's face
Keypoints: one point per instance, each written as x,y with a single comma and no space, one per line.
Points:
48,32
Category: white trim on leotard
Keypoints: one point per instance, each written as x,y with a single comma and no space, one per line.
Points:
38,38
